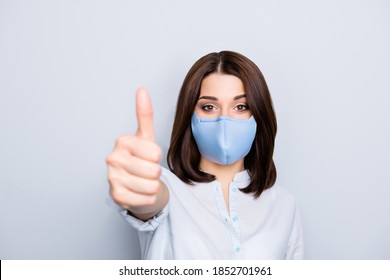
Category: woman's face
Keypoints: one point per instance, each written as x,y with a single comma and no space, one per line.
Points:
222,95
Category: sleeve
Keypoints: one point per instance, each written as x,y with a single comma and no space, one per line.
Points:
149,225
295,248
153,223
154,234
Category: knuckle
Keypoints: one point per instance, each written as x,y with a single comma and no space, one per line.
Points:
117,195
156,154
155,172
111,181
121,141
111,159
122,199
154,186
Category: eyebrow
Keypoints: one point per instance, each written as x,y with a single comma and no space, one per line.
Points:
215,99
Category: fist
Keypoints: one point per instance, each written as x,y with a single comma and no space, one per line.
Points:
133,165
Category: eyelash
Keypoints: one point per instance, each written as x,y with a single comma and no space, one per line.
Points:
207,108
246,107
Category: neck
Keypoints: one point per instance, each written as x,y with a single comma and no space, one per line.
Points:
223,173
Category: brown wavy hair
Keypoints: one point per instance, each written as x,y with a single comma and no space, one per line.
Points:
183,154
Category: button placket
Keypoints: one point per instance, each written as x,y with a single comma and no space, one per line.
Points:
232,221
236,237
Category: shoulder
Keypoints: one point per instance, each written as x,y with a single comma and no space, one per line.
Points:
281,196
170,179
282,191
166,173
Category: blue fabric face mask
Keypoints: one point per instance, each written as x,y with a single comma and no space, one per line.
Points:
223,140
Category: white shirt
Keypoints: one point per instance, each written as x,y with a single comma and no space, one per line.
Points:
195,224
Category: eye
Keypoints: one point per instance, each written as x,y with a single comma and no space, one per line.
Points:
208,107
242,107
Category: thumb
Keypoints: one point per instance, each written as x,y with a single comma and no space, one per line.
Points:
144,112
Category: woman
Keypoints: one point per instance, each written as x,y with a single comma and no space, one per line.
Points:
219,199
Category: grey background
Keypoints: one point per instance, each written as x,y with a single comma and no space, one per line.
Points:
68,73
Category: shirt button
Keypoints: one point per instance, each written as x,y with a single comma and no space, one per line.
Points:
237,250
235,219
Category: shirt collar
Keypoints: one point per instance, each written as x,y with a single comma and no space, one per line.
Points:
241,176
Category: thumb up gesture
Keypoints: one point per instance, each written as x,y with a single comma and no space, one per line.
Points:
134,169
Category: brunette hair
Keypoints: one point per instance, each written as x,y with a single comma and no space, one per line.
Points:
183,154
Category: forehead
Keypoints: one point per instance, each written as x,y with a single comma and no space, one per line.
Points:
219,85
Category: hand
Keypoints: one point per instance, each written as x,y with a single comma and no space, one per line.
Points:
133,166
